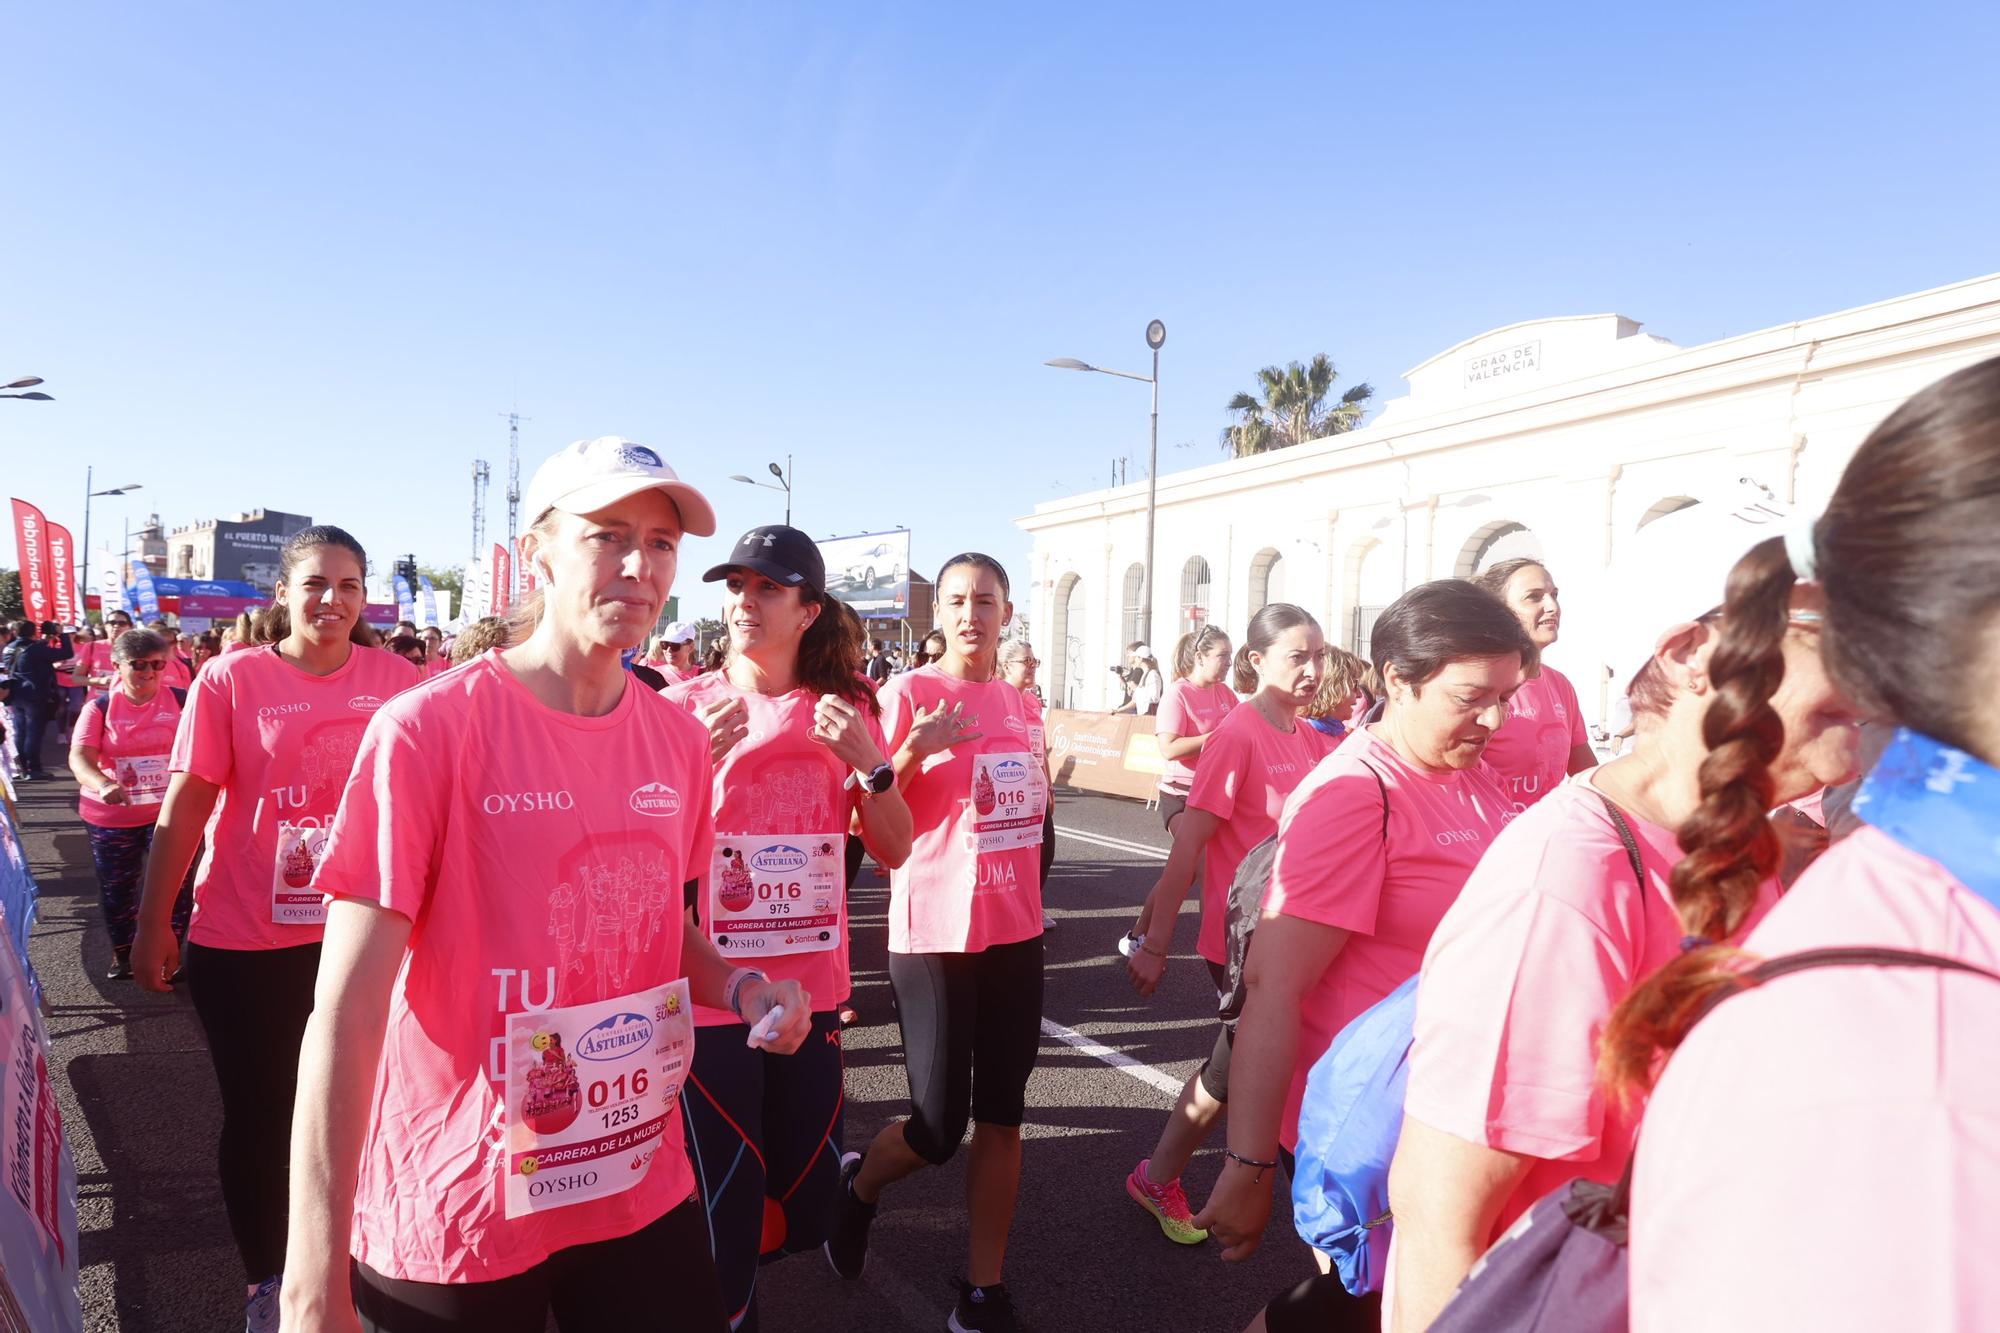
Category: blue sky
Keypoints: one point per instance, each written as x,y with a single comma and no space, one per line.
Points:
304,256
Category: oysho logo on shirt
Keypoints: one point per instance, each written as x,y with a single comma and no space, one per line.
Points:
527,802
281,710
656,799
365,703
1449,836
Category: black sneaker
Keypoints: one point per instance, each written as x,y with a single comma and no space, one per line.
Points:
121,966
983,1310
847,1248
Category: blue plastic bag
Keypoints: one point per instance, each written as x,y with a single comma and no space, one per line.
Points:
1349,1122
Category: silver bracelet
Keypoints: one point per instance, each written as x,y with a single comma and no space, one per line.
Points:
732,990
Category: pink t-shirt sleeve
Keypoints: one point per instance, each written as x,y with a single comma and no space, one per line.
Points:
383,843
1225,763
1172,719
1516,989
1579,734
204,743
89,728
1330,862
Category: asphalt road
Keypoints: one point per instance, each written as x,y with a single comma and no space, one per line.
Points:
139,1106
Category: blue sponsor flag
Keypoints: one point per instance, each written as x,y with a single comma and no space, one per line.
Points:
144,595
406,602
427,601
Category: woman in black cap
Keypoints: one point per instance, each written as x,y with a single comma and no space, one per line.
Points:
798,750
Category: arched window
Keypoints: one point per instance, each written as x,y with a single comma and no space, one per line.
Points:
1667,506
1374,581
1195,605
1500,540
1135,581
1065,650
1267,579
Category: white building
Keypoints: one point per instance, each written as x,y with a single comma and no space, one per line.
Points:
1554,438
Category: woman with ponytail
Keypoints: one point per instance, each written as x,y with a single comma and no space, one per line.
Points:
1823,1151
1259,754
799,757
1556,925
965,935
1194,706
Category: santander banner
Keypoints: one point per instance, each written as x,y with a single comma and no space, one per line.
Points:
501,580
62,573
31,540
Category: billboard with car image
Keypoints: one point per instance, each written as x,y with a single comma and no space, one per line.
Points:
870,572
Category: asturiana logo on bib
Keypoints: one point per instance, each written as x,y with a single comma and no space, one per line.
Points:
1010,771
656,799
365,703
618,1035
778,861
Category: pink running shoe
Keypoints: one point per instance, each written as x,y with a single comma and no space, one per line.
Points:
1168,1204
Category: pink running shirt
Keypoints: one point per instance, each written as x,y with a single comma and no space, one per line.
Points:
1188,710
177,673
778,779
1531,750
279,742
1247,770
1827,1107
1335,867
541,856
948,897
1548,935
133,744
93,659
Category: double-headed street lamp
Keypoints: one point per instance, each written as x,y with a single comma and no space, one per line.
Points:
1156,337
89,495
27,382
784,476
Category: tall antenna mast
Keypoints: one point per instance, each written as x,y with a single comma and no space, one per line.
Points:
514,420
481,475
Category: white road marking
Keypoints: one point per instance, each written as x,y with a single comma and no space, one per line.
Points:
1090,1046
1116,844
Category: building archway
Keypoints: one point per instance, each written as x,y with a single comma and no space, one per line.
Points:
1065,650
1197,585
1373,581
1672,504
1267,579
1135,590
1490,543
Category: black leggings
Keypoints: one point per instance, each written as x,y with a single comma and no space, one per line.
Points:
253,1005
1214,1071
764,1132
961,1014
658,1279
1320,1304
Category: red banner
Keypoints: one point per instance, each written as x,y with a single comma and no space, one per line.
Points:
62,573
31,541
528,583
503,581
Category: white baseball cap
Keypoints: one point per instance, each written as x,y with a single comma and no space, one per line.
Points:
679,631
591,474
1675,570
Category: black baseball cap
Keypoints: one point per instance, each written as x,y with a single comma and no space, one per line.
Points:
781,554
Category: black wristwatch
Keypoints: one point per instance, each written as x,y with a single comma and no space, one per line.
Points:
877,781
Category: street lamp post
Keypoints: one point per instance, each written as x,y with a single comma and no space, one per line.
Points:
88,496
1156,337
26,382
784,476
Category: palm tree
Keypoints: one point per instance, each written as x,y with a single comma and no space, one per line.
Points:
1293,409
